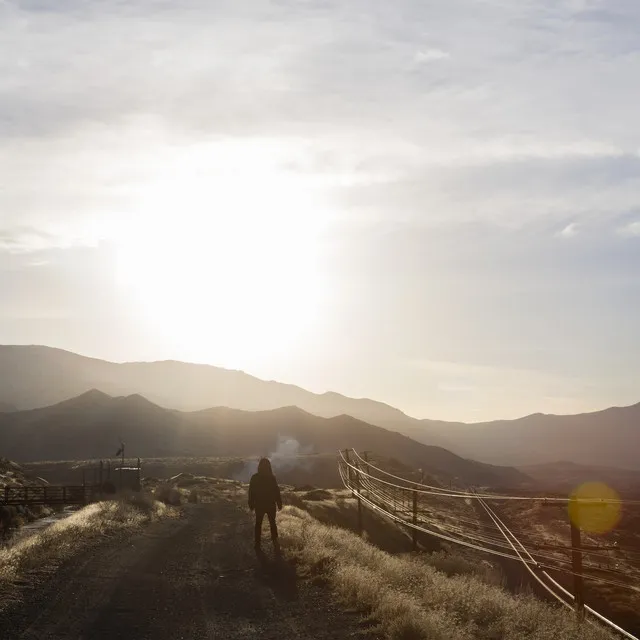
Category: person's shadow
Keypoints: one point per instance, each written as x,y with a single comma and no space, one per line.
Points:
278,574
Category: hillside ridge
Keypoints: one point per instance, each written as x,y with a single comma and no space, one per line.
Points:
43,376
77,429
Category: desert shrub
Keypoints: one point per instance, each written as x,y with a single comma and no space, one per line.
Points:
318,494
194,496
291,498
453,564
168,494
8,520
143,502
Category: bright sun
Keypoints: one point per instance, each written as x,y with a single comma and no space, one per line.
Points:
226,269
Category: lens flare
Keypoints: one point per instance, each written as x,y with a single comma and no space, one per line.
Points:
595,517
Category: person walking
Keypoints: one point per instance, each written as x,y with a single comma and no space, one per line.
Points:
264,497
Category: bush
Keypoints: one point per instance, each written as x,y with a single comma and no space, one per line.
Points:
194,497
8,520
168,494
142,502
317,495
453,564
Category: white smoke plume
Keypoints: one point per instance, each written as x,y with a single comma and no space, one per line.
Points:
284,457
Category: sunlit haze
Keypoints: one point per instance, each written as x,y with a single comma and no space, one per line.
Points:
433,204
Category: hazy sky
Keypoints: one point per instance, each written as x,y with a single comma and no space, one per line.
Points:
432,203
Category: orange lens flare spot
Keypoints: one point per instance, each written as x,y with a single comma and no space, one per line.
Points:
600,516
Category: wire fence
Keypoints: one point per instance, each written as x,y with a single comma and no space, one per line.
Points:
465,518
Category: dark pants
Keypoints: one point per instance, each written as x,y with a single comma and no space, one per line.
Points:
271,514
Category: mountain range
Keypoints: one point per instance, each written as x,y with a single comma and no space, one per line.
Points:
36,376
92,424
566,476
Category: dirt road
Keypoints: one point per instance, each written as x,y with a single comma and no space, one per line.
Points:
193,578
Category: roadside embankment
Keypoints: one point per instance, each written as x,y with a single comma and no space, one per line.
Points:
408,598
72,537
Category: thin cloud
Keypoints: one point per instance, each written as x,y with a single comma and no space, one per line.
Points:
431,55
25,239
570,231
630,230
474,129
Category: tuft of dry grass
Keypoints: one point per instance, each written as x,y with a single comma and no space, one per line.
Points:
453,564
413,600
73,536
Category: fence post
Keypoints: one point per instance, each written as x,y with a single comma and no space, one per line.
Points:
576,561
359,501
349,474
367,469
121,466
414,538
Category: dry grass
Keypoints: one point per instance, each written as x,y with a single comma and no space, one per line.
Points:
71,537
412,600
454,564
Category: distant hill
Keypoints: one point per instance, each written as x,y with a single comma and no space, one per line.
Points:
5,407
565,476
609,438
90,426
34,376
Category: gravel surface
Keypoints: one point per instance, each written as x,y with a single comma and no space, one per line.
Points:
191,578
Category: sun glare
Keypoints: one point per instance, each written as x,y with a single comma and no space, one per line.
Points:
597,517
225,268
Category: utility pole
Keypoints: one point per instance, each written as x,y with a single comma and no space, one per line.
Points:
576,561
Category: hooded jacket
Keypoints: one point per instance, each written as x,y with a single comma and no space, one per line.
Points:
264,492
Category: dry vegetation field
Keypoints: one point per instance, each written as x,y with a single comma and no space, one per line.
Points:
549,524
431,597
443,591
